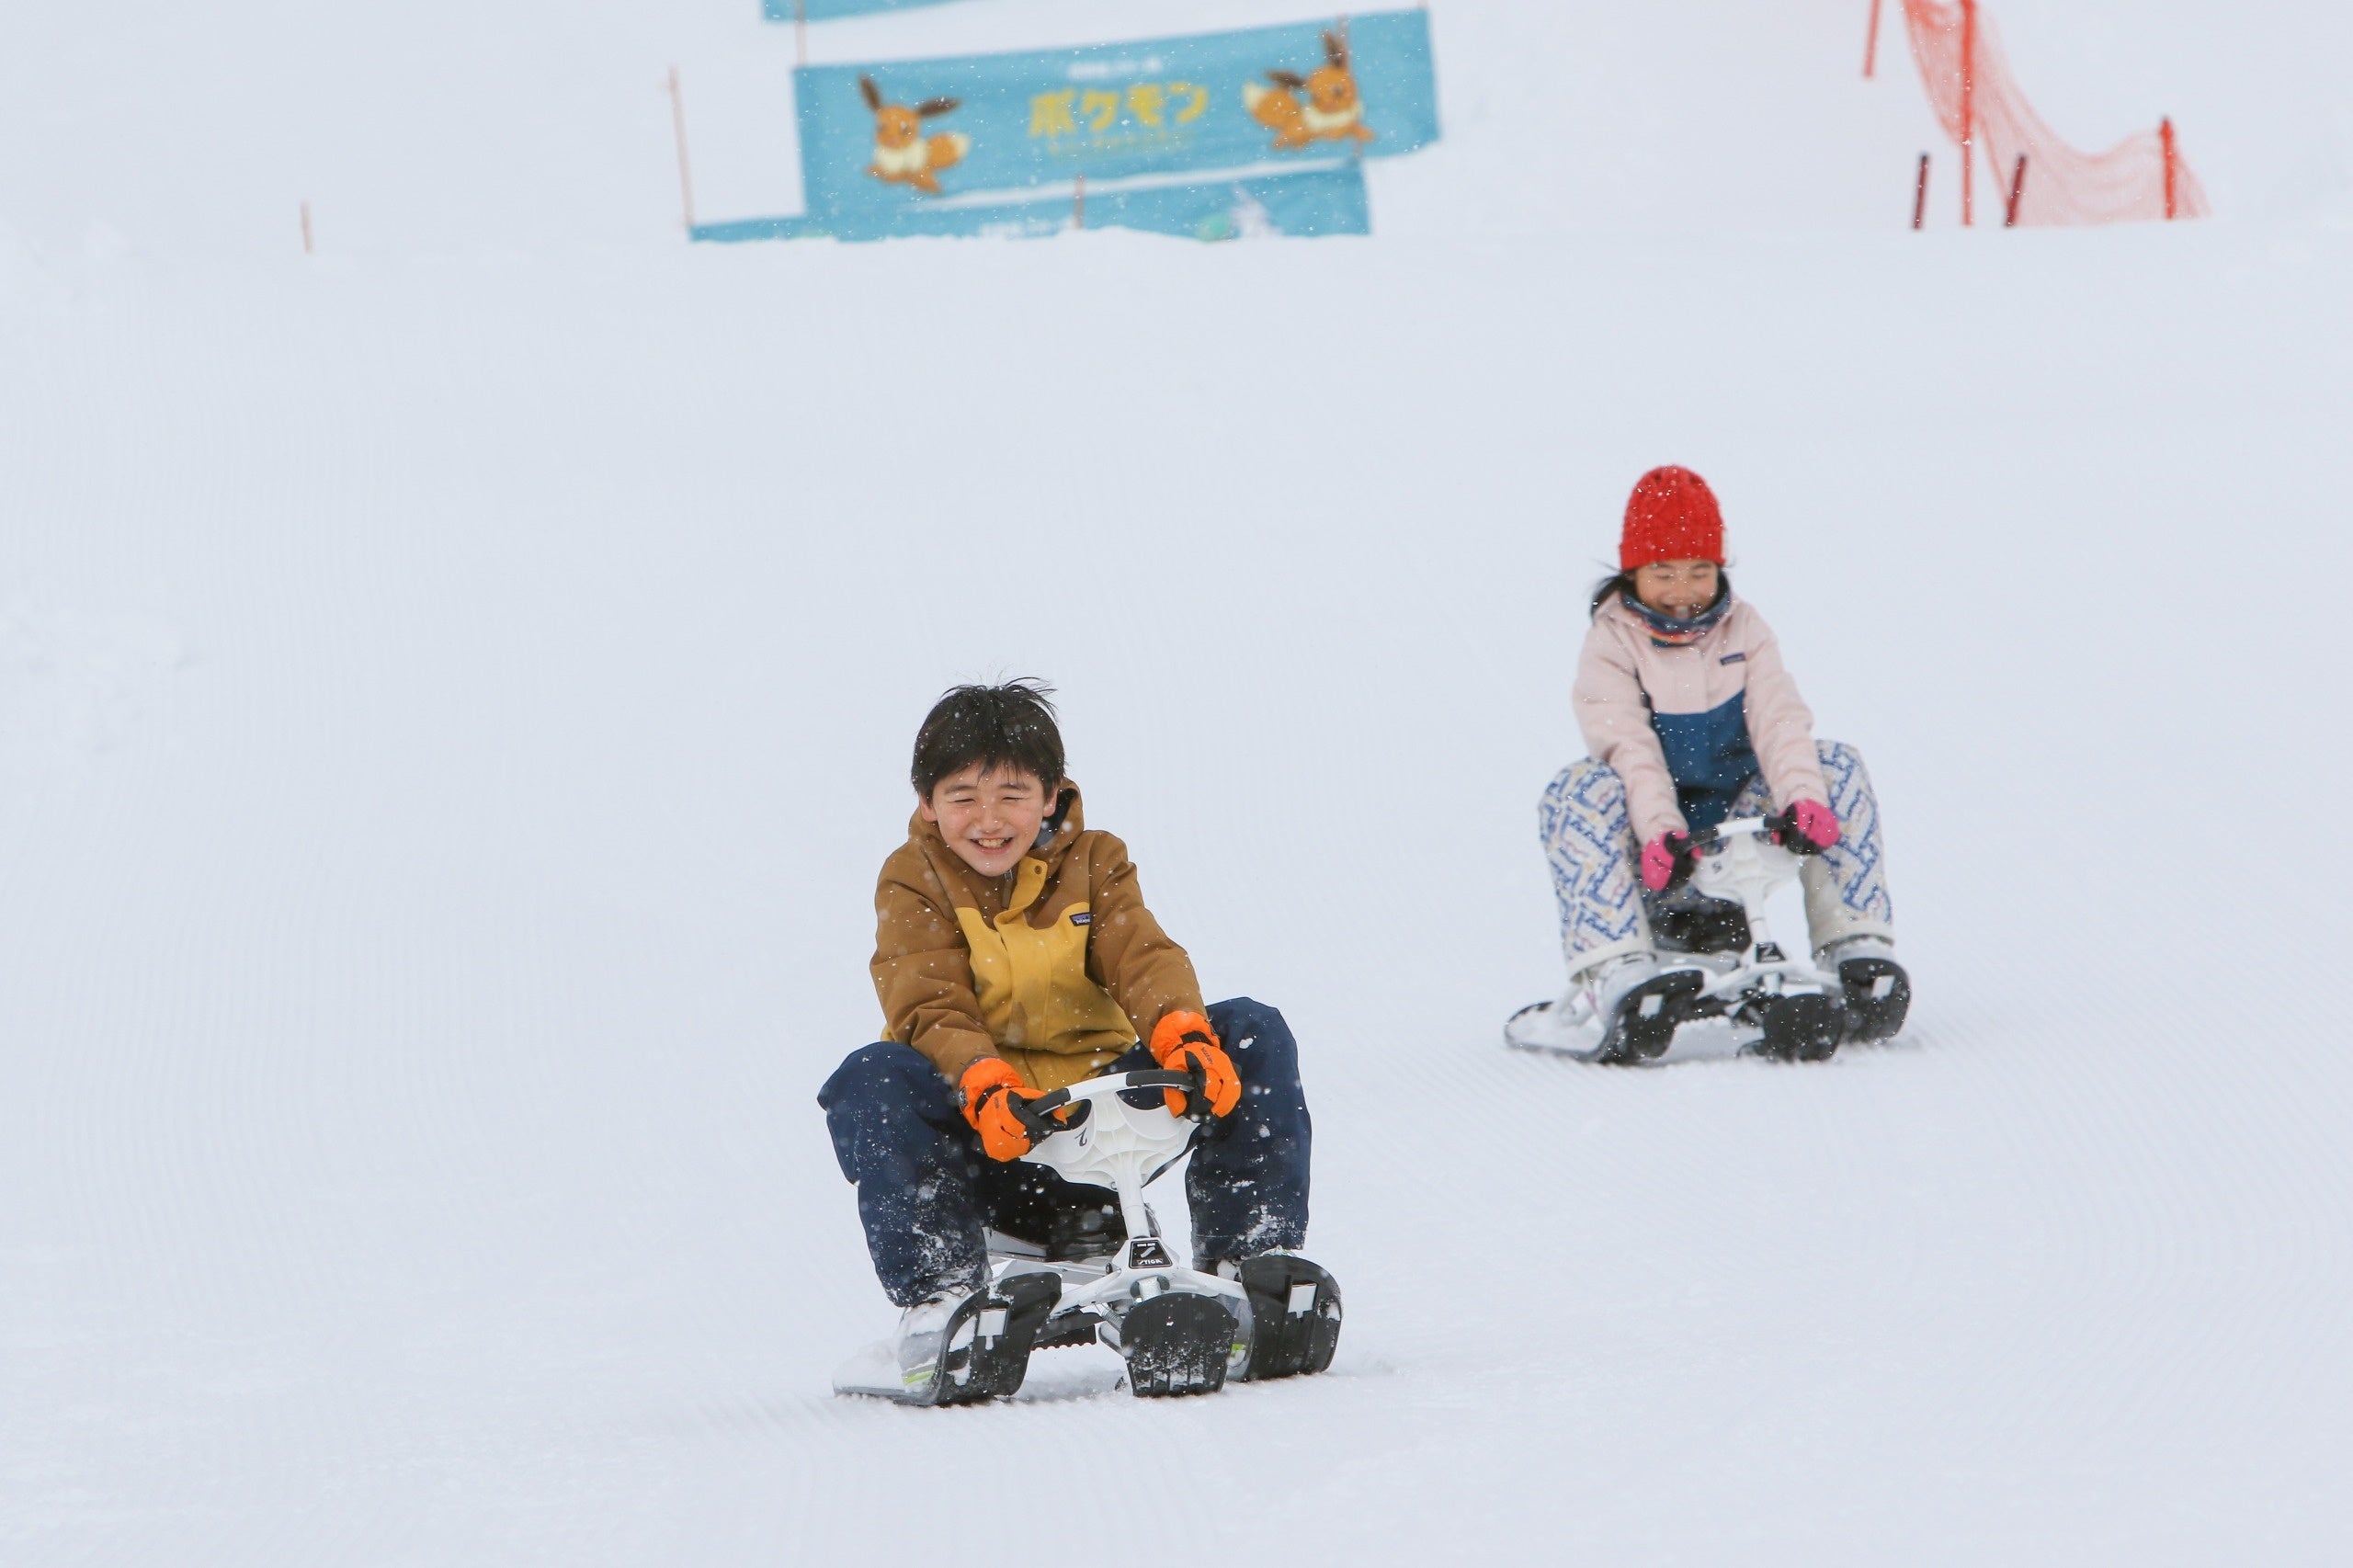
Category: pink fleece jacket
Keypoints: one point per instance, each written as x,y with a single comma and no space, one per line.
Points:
1623,676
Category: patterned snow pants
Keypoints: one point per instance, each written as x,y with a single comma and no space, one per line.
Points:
1605,909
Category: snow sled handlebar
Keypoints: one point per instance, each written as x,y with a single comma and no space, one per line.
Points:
1039,1117
1779,828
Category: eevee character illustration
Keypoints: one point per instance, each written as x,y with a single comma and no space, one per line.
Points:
903,155
1320,106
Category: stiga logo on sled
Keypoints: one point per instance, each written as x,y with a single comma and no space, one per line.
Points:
990,129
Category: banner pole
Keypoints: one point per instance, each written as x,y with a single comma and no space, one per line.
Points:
1078,204
2018,190
1920,194
800,32
306,226
1870,42
686,172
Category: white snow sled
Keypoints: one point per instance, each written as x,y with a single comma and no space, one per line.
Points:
1799,1013
1180,1329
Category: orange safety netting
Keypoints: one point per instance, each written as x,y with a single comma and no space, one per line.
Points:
1979,104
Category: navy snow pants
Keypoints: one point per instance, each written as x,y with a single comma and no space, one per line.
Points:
926,1191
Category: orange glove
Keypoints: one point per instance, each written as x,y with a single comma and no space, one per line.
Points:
987,1084
1182,1042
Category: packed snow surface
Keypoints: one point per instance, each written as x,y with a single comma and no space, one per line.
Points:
455,690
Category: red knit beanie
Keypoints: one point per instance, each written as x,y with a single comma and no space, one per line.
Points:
1672,515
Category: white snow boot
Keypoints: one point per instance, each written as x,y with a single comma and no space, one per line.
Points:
1633,1000
960,1346
923,1329
1639,1003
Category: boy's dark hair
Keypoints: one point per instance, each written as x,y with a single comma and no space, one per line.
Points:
998,726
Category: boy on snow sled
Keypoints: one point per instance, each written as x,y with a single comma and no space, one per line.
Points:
1014,956
1691,720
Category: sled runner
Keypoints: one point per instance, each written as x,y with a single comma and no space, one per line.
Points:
1180,1330
984,1351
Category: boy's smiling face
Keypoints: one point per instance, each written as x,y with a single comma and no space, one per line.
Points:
990,816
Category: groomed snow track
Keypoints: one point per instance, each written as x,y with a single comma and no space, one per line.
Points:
453,700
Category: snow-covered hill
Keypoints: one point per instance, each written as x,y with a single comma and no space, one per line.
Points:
454,694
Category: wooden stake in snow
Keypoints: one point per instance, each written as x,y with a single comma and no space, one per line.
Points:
1920,194
306,229
2018,190
685,174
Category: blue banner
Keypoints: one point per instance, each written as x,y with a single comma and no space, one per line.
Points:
1303,202
826,10
882,139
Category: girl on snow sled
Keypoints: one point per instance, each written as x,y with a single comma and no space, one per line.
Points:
1691,720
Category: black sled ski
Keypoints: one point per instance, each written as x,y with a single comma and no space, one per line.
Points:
1294,1317
984,1351
1177,1343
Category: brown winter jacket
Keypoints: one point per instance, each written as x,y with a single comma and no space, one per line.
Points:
1056,966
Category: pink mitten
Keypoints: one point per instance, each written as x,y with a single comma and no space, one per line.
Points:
1813,823
1667,861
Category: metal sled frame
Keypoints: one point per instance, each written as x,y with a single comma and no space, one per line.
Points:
1743,866
1099,1140
1740,863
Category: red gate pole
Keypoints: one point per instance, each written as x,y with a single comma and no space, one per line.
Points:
1968,105
1920,194
2173,162
1870,42
2018,190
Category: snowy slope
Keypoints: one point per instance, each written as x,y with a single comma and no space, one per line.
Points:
454,694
